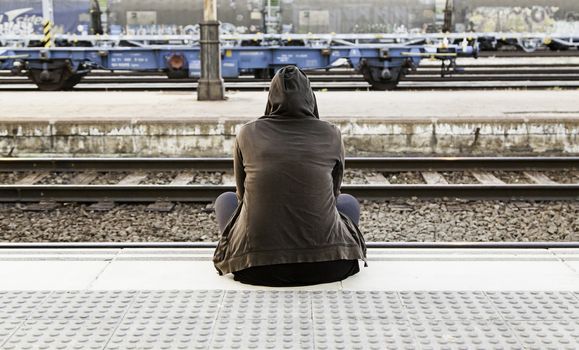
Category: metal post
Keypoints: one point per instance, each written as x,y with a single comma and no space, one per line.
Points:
211,84
47,10
448,9
48,23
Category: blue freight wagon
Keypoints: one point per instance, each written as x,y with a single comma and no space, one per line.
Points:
382,64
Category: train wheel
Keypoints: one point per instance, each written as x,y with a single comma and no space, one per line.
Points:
265,74
177,74
71,82
383,85
379,80
554,46
48,80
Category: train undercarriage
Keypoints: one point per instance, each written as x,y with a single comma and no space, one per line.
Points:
382,59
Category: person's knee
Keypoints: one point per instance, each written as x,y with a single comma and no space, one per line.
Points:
349,205
349,200
225,206
226,197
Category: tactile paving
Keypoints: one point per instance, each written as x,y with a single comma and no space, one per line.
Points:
273,319
162,334
341,305
286,333
535,306
448,306
547,335
64,305
368,334
175,305
465,335
61,335
20,304
266,305
7,327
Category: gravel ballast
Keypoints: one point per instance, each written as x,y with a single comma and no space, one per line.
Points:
408,220
459,177
109,178
410,178
10,178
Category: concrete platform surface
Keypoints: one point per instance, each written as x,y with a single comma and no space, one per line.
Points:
79,105
172,299
389,269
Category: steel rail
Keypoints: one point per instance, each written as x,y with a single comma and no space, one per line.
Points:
363,86
207,193
470,85
420,76
164,79
168,86
481,78
213,245
225,164
435,68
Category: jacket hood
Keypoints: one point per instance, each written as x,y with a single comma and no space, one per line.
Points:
291,96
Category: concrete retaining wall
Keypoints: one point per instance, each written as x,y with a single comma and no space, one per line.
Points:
368,137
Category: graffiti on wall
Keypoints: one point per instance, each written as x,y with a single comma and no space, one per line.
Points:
520,19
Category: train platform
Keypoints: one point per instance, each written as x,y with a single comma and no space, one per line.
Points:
179,105
394,123
173,299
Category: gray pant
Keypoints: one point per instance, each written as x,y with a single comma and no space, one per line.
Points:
297,274
226,204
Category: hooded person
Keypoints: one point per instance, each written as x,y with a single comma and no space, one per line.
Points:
284,225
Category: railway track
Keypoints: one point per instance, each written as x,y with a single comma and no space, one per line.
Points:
213,245
528,72
29,179
433,83
421,75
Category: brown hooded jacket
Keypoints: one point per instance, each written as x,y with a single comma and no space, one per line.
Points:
288,168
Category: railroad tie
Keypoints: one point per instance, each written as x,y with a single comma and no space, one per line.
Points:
102,206
377,179
133,178
33,178
161,206
539,178
183,178
486,178
433,178
85,178
41,206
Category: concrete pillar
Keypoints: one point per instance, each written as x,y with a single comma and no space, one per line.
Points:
48,10
210,86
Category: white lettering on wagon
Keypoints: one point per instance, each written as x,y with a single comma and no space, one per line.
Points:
251,53
131,61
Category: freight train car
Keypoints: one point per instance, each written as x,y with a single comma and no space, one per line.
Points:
296,16
349,16
370,16
530,16
171,17
182,16
24,17
556,17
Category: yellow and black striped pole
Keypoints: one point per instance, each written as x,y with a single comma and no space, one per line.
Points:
47,39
